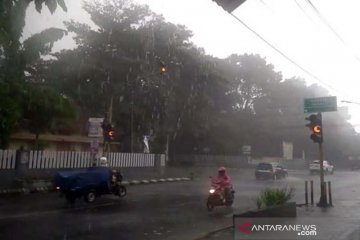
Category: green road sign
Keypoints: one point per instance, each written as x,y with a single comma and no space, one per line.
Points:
323,104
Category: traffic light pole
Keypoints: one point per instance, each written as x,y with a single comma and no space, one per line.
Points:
322,201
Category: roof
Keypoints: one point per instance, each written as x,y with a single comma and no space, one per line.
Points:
54,137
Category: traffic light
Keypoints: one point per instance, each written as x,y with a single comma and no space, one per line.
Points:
229,5
162,68
111,134
315,126
108,132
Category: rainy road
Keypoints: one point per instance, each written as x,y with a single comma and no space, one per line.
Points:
158,211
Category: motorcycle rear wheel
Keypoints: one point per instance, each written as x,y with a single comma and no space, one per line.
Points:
209,206
122,191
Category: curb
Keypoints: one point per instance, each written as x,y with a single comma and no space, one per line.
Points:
207,235
49,188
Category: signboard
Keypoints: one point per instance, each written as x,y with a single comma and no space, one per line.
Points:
246,149
287,150
323,104
94,129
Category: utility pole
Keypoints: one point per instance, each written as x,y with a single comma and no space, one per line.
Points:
322,201
109,117
132,121
131,113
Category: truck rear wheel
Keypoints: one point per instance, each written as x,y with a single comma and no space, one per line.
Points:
90,196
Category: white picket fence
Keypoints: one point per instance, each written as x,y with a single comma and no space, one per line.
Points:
50,159
62,159
131,159
7,159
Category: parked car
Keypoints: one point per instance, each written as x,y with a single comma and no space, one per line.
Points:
315,167
355,165
270,171
89,184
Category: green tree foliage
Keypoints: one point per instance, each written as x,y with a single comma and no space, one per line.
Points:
17,58
42,106
12,22
10,111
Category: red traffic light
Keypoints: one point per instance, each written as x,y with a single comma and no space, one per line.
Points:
108,132
162,70
111,134
315,126
317,129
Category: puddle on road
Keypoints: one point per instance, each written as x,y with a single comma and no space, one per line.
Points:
158,232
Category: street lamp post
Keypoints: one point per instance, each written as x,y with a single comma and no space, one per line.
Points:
345,101
132,107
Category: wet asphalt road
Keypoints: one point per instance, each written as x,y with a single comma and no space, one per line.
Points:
158,211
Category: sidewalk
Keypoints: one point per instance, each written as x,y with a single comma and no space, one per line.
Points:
333,223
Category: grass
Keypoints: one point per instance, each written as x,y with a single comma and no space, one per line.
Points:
273,197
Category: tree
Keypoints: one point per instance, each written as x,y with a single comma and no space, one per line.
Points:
12,22
15,58
251,78
121,61
42,106
10,112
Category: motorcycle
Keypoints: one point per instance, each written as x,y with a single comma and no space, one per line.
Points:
220,197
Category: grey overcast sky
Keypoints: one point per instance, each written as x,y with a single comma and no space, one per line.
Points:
325,41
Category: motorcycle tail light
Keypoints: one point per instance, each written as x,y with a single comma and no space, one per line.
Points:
211,191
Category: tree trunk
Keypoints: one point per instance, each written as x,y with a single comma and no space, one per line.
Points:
37,141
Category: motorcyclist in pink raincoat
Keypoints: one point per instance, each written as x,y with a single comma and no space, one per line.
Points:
222,181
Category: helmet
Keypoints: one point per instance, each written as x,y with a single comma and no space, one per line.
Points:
221,170
103,162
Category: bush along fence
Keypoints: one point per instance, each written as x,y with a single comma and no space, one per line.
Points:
11,159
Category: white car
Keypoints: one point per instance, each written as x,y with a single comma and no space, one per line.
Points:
315,167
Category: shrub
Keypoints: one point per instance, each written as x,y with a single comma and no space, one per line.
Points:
272,197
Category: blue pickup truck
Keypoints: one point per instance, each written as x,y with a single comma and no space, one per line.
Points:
89,183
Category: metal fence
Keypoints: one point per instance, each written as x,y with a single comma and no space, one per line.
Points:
64,159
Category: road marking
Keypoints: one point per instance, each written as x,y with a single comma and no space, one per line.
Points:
32,214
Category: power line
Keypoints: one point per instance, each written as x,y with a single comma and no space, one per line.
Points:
283,54
303,10
326,22
263,3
